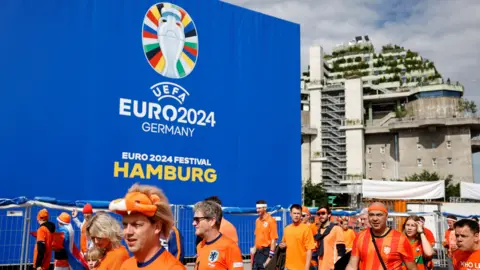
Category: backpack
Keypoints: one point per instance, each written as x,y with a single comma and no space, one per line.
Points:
57,241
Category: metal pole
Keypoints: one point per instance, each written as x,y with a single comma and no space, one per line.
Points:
24,234
27,240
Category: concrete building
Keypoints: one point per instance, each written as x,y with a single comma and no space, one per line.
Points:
381,116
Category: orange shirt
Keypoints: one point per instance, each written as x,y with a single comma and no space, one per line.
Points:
45,236
330,255
465,260
394,249
265,231
299,239
83,238
113,259
450,241
162,260
349,237
221,253
417,251
227,229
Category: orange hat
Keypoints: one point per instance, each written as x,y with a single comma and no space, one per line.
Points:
87,209
64,218
135,202
42,214
305,211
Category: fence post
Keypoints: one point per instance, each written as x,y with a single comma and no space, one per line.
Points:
24,236
26,232
284,218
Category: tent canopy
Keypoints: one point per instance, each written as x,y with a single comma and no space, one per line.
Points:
394,190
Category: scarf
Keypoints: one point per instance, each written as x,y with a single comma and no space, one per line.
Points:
321,236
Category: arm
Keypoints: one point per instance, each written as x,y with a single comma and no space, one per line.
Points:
309,246
77,222
308,259
353,263
355,255
411,265
41,248
273,242
427,248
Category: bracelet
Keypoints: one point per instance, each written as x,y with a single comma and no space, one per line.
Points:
271,253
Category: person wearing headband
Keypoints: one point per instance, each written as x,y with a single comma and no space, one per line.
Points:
215,251
266,236
380,247
147,218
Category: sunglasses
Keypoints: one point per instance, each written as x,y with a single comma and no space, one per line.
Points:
304,215
321,213
198,219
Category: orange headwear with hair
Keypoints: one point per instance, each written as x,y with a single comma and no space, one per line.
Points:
42,214
135,202
377,207
305,211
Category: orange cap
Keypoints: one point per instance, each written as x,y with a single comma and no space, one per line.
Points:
42,214
87,209
64,218
135,202
305,211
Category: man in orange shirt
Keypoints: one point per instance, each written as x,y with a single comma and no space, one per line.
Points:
330,240
226,228
380,247
468,254
449,242
87,212
348,235
43,249
146,217
266,236
216,251
298,239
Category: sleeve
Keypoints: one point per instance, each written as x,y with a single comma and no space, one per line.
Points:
40,254
77,222
405,250
430,237
356,245
273,230
308,240
234,257
340,243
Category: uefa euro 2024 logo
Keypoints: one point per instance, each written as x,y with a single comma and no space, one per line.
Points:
170,40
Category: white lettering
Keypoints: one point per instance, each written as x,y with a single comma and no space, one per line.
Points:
125,106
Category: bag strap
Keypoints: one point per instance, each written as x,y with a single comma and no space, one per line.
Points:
376,248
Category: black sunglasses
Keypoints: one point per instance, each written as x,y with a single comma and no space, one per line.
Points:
198,219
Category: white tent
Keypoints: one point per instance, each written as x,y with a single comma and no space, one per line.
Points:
470,191
396,190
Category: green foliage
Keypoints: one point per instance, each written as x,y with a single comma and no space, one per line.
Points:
451,189
314,192
466,106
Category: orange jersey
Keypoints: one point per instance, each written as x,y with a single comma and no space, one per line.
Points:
162,260
330,256
349,236
417,251
221,253
464,260
113,259
299,239
44,235
394,249
265,231
83,238
227,229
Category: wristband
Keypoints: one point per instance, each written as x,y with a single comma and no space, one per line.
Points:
271,253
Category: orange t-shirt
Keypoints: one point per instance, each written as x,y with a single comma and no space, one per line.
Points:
83,238
349,236
265,231
465,260
394,249
113,259
162,260
45,236
417,251
227,229
299,239
221,253
330,255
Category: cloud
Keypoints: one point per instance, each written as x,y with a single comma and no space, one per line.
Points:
446,32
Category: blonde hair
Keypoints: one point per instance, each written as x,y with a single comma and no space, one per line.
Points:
94,254
105,226
164,213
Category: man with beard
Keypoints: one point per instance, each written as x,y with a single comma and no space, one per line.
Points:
380,247
330,240
468,254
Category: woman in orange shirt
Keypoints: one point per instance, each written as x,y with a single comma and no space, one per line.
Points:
421,247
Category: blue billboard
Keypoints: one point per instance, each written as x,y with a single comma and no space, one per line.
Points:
199,98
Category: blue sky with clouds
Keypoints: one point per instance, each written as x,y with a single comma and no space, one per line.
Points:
444,31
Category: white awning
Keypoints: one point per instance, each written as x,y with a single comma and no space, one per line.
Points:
396,190
470,191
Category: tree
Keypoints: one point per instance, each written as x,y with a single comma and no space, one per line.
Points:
314,192
451,189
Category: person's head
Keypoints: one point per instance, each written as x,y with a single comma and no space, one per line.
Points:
146,217
422,219
475,219
344,224
305,214
207,218
363,218
87,211
466,233
261,206
63,219
324,213
377,216
104,231
296,213
42,216
451,219
93,257
214,199
410,226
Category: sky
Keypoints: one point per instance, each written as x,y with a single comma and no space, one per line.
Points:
444,31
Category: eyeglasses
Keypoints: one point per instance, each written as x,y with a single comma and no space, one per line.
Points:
304,215
198,219
321,213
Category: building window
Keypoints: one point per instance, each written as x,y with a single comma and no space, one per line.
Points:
449,160
369,165
418,146
449,144
367,58
383,165
382,150
434,161
434,145
419,162
369,150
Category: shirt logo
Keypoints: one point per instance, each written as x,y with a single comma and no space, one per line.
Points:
265,224
213,256
386,250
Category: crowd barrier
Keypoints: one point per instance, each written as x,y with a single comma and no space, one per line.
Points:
17,221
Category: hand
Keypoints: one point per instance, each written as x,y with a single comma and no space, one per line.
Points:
282,245
74,213
39,268
419,227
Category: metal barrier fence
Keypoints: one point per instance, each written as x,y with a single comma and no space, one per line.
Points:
17,222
